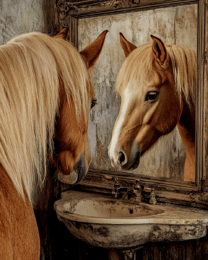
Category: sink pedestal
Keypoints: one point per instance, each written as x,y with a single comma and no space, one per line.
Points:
128,254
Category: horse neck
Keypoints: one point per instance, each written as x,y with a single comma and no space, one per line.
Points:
186,126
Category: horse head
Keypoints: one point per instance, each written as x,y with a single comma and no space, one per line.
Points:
71,156
150,105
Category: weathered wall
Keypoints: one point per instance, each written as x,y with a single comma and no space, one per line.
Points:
175,25
20,16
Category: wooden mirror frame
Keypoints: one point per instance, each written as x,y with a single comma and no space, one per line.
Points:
177,192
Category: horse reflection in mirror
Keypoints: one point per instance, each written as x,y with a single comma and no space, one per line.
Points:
46,97
156,84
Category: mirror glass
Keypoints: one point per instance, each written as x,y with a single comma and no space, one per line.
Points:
173,25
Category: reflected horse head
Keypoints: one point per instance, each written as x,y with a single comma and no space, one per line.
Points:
156,84
46,97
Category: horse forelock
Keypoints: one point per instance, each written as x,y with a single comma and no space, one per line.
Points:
31,67
137,70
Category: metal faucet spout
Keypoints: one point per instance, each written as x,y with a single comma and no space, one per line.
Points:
131,193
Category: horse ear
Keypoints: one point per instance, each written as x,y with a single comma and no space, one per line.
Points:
62,34
93,50
159,50
126,45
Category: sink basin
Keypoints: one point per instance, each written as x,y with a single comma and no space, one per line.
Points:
103,210
112,223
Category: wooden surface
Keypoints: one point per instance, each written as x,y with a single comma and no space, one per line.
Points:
89,8
205,107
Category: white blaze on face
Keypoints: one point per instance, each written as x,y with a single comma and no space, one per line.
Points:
126,102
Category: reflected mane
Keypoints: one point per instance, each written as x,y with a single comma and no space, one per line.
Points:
32,66
137,69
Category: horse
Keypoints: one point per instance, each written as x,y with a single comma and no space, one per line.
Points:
156,84
46,97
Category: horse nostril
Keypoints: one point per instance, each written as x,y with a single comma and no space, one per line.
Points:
121,158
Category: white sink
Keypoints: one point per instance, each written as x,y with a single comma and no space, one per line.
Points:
113,223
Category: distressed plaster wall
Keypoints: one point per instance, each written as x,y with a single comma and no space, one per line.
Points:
175,25
20,16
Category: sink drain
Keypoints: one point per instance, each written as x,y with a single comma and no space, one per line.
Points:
131,211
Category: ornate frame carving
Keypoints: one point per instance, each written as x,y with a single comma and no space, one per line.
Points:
191,194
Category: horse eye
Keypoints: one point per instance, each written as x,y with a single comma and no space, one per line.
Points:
93,103
151,95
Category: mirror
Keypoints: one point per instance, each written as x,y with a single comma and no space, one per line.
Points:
173,25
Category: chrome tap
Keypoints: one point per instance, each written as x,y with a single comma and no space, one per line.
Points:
136,193
117,189
152,197
132,193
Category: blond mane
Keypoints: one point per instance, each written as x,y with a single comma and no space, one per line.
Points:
31,67
137,68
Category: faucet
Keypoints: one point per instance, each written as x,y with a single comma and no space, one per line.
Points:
132,193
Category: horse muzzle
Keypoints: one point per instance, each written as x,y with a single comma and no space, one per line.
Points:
81,168
136,161
122,162
80,171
